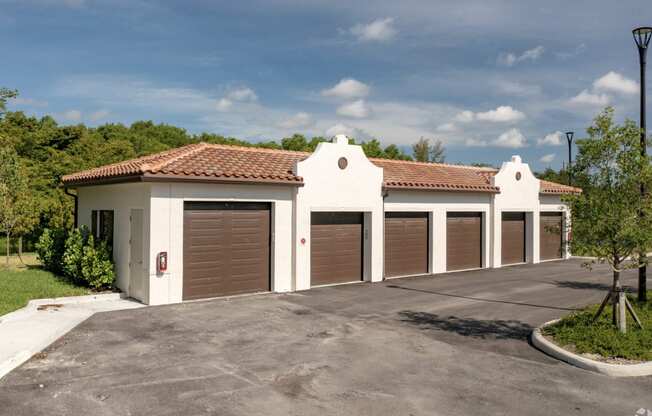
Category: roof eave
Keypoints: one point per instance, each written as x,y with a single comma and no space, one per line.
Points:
560,192
149,177
437,189
101,181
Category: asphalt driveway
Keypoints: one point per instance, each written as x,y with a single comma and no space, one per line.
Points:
452,344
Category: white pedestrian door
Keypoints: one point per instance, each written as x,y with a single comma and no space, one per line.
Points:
137,286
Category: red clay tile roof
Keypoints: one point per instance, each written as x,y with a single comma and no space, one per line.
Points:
223,163
201,161
548,187
436,176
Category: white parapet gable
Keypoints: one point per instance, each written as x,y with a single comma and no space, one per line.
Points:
338,177
519,192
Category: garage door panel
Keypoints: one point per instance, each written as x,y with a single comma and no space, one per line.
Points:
513,238
335,248
406,243
226,249
463,240
550,234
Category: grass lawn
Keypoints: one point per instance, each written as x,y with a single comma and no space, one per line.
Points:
19,284
576,333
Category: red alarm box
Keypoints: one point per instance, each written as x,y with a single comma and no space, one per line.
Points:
162,262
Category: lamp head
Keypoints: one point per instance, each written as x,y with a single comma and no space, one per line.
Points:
569,136
642,36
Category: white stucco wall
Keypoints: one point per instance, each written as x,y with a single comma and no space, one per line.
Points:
120,198
357,188
516,195
166,228
438,204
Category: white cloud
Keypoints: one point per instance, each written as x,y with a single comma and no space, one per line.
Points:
568,54
502,114
511,59
31,102
99,115
72,115
547,158
137,98
350,131
242,94
465,116
475,143
552,139
615,82
378,30
532,54
298,121
586,98
347,88
507,59
447,127
355,109
512,138
224,104
518,89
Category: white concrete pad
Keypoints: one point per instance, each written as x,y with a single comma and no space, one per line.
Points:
31,329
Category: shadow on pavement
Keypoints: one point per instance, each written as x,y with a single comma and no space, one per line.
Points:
532,305
571,284
468,327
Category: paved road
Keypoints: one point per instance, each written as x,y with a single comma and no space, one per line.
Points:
452,344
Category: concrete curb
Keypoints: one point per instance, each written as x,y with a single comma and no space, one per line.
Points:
613,370
78,299
70,300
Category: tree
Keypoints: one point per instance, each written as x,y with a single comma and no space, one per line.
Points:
424,151
297,142
16,204
372,148
6,94
605,218
421,150
393,152
437,152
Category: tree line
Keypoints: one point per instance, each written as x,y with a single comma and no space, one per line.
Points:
36,152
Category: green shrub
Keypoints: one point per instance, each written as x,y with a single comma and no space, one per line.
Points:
87,262
50,248
96,265
578,331
73,254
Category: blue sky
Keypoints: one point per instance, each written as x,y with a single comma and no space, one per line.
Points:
488,78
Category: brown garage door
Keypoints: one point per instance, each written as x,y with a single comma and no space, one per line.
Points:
550,232
226,249
335,247
406,243
463,240
513,238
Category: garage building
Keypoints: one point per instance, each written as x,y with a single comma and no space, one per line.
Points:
209,220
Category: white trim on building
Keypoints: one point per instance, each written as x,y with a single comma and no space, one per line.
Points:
329,185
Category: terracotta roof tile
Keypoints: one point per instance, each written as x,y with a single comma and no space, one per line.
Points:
213,162
201,161
548,187
436,176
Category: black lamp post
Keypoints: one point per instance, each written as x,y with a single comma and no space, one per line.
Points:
642,36
569,138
